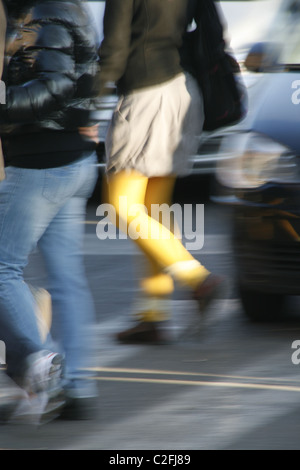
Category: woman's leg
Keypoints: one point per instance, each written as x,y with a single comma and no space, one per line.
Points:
131,194
128,193
156,287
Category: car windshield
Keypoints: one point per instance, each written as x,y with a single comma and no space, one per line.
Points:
291,52
286,31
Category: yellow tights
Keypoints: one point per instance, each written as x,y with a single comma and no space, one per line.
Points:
132,195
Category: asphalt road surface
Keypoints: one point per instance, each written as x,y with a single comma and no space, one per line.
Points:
225,384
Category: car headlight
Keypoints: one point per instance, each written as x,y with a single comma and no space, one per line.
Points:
250,160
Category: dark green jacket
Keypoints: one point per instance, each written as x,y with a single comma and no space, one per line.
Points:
141,42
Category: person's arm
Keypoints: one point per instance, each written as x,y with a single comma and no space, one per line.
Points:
91,133
47,72
115,46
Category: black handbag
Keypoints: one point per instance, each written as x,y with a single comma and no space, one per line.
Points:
217,72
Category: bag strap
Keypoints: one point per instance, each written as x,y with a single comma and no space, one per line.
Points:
205,45
208,20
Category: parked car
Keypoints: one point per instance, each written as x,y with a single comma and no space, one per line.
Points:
259,177
247,23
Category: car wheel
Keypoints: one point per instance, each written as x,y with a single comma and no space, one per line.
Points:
261,306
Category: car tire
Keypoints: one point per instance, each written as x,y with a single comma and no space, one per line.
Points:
261,306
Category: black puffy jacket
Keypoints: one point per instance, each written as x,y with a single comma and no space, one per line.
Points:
50,76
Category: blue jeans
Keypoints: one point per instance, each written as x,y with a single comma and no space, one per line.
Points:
45,208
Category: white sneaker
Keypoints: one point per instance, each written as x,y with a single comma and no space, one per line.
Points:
44,373
43,388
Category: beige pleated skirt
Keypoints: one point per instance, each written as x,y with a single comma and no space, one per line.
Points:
156,130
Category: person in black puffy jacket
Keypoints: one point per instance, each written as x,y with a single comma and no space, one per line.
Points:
50,75
51,79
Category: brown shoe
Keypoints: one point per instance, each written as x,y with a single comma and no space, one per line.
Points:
143,333
212,288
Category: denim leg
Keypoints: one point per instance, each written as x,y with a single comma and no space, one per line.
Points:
30,200
72,302
23,219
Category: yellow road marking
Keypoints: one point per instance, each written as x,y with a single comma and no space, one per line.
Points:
202,383
197,374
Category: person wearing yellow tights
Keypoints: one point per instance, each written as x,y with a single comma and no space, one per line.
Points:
153,132
132,195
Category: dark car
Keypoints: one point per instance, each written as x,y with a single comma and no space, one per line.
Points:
260,178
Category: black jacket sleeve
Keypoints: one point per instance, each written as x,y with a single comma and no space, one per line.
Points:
46,76
115,48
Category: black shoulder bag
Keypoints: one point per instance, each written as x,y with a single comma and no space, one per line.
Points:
217,72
